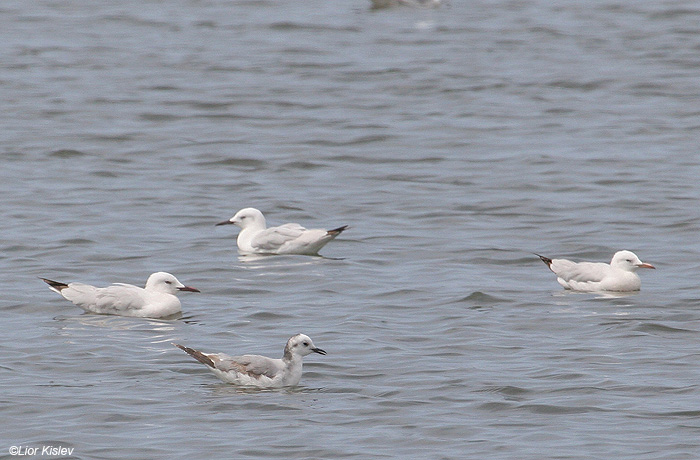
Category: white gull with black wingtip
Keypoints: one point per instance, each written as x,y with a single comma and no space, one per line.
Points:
256,238
619,275
256,370
157,300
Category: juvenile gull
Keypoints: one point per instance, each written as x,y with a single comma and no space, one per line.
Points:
156,300
619,275
256,238
256,370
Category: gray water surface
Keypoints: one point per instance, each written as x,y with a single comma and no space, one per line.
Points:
455,142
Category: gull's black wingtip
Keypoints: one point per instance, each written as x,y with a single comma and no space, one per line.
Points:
337,231
544,259
54,285
198,355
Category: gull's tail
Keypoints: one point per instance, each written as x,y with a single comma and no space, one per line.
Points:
198,355
55,285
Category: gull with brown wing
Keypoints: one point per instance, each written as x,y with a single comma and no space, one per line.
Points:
256,370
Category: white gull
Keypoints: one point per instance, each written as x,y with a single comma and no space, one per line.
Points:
619,275
156,300
256,370
256,238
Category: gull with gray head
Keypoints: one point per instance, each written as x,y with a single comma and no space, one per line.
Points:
619,275
256,370
157,300
256,238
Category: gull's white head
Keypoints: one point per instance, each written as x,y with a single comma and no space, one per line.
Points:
628,261
247,217
300,345
166,283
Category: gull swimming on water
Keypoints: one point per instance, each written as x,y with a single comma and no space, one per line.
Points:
156,300
256,370
256,238
619,275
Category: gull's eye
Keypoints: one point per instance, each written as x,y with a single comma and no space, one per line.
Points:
168,282
306,344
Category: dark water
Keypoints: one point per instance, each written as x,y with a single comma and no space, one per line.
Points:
454,141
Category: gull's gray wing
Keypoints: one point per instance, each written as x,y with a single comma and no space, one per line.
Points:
273,238
253,365
582,272
119,298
